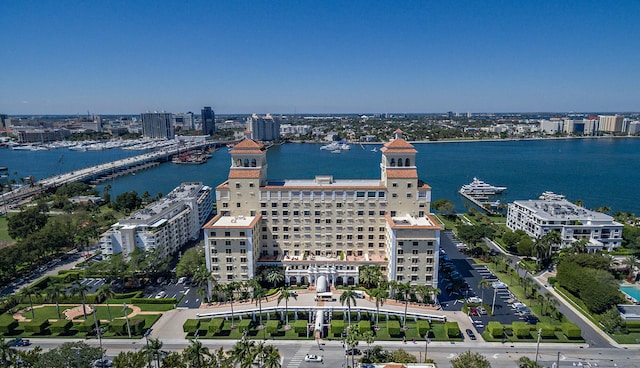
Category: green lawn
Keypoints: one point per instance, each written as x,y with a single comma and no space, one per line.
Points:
49,312
560,337
4,230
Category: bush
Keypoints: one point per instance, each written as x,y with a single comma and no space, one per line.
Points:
137,326
272,326
190,326
423,327
452,329
337,326
7,326
244,324
169,301
393,328
300,326
521,329
546,330
571,330
495,329
633,326
364,326
61,326
36,326
86,326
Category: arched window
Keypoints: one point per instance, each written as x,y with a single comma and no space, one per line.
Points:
393,162
399,162
253,162
239,162
246,162
407,162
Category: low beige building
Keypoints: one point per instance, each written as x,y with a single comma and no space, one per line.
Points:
324,226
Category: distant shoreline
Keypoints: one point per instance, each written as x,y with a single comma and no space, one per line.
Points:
480,140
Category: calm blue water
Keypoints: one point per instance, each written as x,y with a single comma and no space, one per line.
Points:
632,291
601,172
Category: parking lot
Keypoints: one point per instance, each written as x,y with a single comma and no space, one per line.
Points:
459,280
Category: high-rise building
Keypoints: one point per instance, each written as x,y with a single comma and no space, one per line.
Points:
263,128
611,123
324,227
183,121
157,125
208,121
3,119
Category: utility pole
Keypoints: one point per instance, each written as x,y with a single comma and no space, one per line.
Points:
146,338
126,318
493,304
426,346
538,345
98,332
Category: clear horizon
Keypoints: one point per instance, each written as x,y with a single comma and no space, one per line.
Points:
331,57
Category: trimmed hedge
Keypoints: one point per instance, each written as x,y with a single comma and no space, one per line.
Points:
7,326
87,325
36,326
300,326
364,326
61,326
272,326
215,326
423,327
496,329
153,301
137,326
119,326
571,330
521,329
190,326
546,330
337,326
244,324
393,328
452,329
633,326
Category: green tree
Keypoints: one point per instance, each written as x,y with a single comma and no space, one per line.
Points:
81,289
285,294
370,275
484,284
196,354
6,353
612,321
68,355
53,293
29,292
174,360
468,359
22,224
243,353
526,362
104,293
192,260
275,276
153,350
348,297
257,294
445,207
130,359
380,295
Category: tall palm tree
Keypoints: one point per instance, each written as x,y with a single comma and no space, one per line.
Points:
258,293
380,295
483,284
174,360
196,353
370,275
154,350
423,291
369,337
405,290
219,359
229,292
631,262
540,248
243,353
29,292
103,294
434,293
81,289
272,358
201,279
6,353
349,297
53,292
285,294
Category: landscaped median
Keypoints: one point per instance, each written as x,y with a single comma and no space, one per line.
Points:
523,332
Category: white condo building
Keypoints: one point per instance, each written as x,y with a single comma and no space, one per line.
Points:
538,217
324,226
165,225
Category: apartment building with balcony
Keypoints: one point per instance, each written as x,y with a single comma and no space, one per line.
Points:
164,226
323,226
573,222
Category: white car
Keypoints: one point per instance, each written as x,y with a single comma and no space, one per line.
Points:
313,358
161,295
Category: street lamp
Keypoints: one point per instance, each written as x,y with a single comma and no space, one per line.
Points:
538,344
146,338
426,345
98,332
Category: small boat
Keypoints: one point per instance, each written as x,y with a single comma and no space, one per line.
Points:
337,151
374,149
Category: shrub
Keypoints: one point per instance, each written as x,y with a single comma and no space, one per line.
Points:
137,326
364,326
190,326
633,326
337,326
272,326
546,330
300,326
393,328
244,324
452,329
7,326
571,330
86,326
423,327
36,326
521,329
119,327
170,301
495,329
61,326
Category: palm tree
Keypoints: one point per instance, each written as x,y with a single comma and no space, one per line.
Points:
218,359
405,289
434,293
104,293
29,292
369,337
274,276
631,262
6,353
173,360
483,284
53,292
201,278
380,295
285,294
196,353
348,296
540,248
81,289
130,359
423,291
370,275
229,291
154,349
243,353
258,293
272,358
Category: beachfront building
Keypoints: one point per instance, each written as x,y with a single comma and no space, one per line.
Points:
263,128
323,226
573,222
165,225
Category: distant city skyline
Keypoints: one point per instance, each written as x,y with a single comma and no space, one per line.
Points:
242,57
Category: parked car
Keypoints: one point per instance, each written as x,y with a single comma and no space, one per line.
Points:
530,319
161,294
101,363
19,341
182,280
481,310
313,358
354,351
472,336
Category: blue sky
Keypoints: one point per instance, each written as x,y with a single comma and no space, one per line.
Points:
120,57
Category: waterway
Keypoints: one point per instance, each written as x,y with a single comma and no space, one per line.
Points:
600,172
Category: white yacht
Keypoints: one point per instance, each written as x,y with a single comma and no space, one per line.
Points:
479,187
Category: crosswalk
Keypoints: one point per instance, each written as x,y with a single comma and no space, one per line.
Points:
298,357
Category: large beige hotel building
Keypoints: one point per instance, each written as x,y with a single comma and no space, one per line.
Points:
324,226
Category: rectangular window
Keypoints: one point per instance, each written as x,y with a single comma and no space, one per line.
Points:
371,194
227,242
360,194
227,233
237,185
229,268
242,233
225,205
